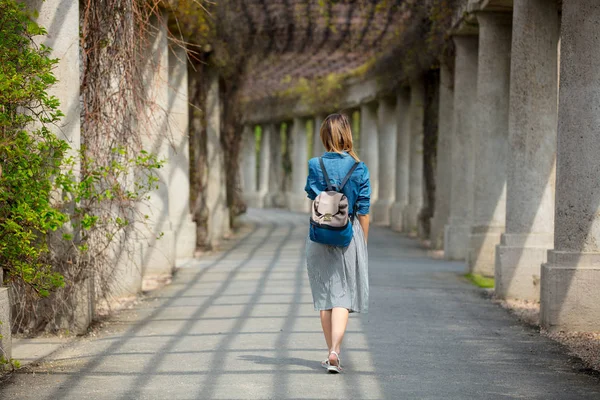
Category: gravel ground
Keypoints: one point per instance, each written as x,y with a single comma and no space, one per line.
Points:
584,345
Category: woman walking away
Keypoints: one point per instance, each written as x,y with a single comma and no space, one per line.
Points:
336,250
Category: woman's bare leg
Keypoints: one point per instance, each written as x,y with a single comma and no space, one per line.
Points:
326,324
339,321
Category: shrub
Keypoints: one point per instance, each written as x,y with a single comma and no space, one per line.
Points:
31,156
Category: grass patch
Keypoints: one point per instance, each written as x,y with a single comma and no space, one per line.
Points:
480,281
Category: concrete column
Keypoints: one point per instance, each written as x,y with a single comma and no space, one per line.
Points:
264,166
5,331
491,152
248,168
464,131
216,187
443,180
297,200
63,39
369,145
276,197
570,299
287,160
5,319
532,150
412,210
388,133
158,238
179,161
317,145
402,159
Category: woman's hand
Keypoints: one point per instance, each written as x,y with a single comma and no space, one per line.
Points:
364,224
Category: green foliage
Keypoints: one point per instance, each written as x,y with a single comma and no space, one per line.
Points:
326,89
192,20
30,154
94,187
481,281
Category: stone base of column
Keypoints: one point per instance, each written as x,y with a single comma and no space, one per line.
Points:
262,200
438,229
185,239
569,297
226,228
5,333
158,256
128,271
83,311
518,265
410,219
481,257
397,217
77,314
456,242
254,200
298,202
382,211
277,200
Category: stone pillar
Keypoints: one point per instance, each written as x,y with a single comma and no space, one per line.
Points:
491,151
317,145
443,180
63,39
248,170
388,133
532,150
369,145
275,197
412,210
158,238
402,159
179,160
297,200
216,186
5,323
464,131
263,166
570,299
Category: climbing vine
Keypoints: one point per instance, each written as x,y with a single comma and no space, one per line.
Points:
67,214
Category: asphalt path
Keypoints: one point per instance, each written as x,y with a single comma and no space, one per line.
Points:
239,324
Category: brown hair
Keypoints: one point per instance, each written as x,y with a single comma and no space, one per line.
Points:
336,135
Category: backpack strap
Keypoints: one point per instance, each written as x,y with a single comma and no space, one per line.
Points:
325,175
348,175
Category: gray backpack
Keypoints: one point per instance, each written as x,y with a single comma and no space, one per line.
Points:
330,215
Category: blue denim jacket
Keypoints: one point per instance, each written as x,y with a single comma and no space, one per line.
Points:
358,187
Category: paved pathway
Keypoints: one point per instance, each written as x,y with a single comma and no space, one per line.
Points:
240,325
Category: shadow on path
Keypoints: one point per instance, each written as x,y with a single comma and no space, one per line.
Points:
240,325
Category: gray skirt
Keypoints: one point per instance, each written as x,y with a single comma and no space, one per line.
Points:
339,277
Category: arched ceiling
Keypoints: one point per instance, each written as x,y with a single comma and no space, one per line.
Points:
295,40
